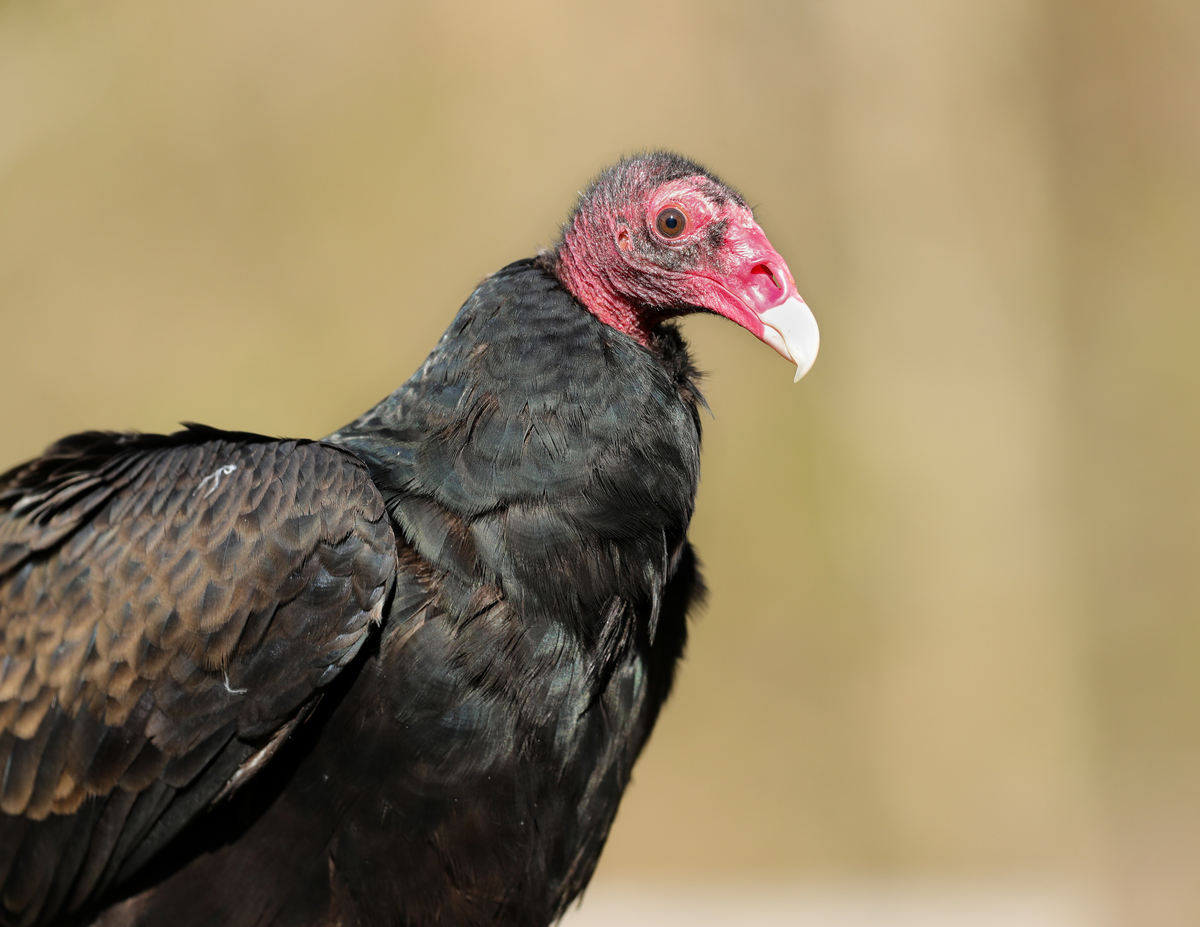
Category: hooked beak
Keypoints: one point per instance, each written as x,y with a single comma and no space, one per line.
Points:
791,329
762,298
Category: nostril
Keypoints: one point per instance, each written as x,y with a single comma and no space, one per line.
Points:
766,269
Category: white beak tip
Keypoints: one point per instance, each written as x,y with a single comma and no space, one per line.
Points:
791,329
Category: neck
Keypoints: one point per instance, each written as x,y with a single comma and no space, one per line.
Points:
587,261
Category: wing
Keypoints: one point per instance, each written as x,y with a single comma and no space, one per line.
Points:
168,607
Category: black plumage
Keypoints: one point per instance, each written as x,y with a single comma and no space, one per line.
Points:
398,676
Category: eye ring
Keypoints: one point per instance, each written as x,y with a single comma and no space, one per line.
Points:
671,222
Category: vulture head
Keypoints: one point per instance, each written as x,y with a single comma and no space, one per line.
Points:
657,236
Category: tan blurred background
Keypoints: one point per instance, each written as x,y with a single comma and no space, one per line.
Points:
953,635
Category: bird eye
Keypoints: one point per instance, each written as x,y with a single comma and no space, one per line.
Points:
671,223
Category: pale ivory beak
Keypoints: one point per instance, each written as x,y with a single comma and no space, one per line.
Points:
791,329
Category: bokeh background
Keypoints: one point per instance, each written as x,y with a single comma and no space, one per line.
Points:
952,649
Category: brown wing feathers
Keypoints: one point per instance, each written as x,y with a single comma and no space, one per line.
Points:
159,596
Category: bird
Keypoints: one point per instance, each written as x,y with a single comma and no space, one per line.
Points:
400,674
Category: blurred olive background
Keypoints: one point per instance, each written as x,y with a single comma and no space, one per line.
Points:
953,623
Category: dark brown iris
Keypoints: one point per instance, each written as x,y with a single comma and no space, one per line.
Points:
671,223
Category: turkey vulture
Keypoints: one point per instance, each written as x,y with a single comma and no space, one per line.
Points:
399,675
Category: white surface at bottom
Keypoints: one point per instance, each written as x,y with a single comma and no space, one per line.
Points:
848,904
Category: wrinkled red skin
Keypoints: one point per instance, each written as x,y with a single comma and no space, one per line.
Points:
614,260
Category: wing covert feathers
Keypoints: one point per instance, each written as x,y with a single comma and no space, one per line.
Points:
161,597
